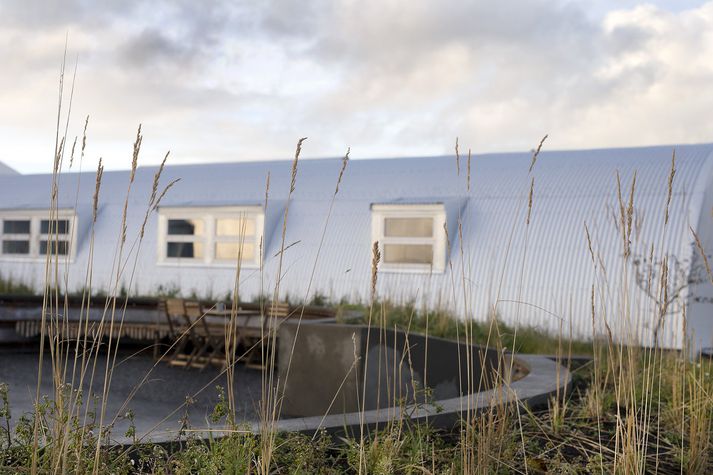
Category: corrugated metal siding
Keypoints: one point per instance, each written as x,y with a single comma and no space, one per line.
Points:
546,266
5,170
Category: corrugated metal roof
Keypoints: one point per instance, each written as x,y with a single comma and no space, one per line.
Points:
545,266
5,170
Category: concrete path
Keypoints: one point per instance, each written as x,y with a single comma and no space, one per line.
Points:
163,395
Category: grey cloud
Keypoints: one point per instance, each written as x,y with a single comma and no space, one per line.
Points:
388,77
154,51
63,14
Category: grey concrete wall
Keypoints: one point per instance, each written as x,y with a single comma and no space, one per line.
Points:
400,366
325,373
321,375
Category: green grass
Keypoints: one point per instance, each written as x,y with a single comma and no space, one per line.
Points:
444,324
12,286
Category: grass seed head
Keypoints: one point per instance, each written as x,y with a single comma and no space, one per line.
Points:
163,193
135,154
156,178
703,254
469,156
298,150
671,175
529,200
375,259
457,158
589,242
345,160
97,186
71,155
536,153
84,136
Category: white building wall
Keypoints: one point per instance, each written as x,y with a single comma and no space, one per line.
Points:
542,274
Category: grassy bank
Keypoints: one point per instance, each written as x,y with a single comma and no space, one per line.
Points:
579,432
444,324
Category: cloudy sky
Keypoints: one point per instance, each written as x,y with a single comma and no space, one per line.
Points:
242,80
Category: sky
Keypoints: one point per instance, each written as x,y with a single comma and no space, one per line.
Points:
243,80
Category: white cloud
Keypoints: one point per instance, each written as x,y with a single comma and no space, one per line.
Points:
231,81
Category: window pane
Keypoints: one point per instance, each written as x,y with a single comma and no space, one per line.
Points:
408,253
57,248
185,227
16,247
229,251
16,226
408,227
186,250
60,226
235,227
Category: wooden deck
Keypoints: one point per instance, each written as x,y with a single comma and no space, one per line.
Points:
197,339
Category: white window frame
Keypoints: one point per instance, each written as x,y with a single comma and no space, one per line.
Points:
210,216
379,213
35,217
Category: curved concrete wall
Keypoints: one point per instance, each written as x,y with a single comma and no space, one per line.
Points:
323,381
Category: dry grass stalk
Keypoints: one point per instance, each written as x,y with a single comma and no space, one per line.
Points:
293,176
71,155
529,201
468,165
132,174
271,402
630,208
58,157
536,153
97,186
135,154
626,213
345,160
47,301
375,259
448,239
156,178
153,202
702,252
457,158
671,175
589,243
163,193
84,135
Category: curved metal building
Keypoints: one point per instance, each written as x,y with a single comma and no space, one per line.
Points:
630,268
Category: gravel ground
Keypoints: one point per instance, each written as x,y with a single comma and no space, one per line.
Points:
164,391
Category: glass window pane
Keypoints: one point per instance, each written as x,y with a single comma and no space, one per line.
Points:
16,226
185,227
16,247
235,227
408,253
56,248
229,251
408,227
186,250
60,226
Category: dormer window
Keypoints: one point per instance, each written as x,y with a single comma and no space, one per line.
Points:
32,234
211,236
411,237
16,237
55,237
